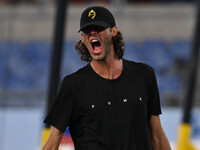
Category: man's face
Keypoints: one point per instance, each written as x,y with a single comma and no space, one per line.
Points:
98,41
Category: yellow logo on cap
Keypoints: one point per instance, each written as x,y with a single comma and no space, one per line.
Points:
92,14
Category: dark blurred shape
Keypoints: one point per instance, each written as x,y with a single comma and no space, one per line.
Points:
91,1
13,2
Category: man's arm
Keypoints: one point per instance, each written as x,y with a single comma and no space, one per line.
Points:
53,140
159,139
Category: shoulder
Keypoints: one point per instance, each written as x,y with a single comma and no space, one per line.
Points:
140,71
76,78
138,67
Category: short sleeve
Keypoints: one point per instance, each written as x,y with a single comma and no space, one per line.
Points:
154,98
61,111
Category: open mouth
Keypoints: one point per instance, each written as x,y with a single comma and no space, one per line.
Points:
96,46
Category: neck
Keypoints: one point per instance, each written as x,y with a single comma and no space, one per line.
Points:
108,69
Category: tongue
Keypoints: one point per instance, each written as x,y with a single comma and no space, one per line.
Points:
97,47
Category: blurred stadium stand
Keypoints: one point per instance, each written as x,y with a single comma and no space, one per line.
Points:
89,1
25,66
181,50
158,55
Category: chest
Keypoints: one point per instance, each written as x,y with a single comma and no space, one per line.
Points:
121,99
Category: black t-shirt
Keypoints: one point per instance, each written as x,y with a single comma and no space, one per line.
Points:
105,114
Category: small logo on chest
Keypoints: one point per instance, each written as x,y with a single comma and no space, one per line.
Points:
125,100
109,102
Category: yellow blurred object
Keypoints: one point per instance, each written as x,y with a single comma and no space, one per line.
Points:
183,142
45,135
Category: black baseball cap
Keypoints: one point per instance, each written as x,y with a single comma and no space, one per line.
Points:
96,16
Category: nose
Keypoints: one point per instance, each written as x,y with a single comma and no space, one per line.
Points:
92,32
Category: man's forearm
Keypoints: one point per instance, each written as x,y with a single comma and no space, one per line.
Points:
53,140
161,143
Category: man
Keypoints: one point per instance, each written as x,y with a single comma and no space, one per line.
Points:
112,103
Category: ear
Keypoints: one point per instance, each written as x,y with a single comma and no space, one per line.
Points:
114,31
81,39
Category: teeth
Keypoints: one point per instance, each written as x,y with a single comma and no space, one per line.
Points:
94,41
